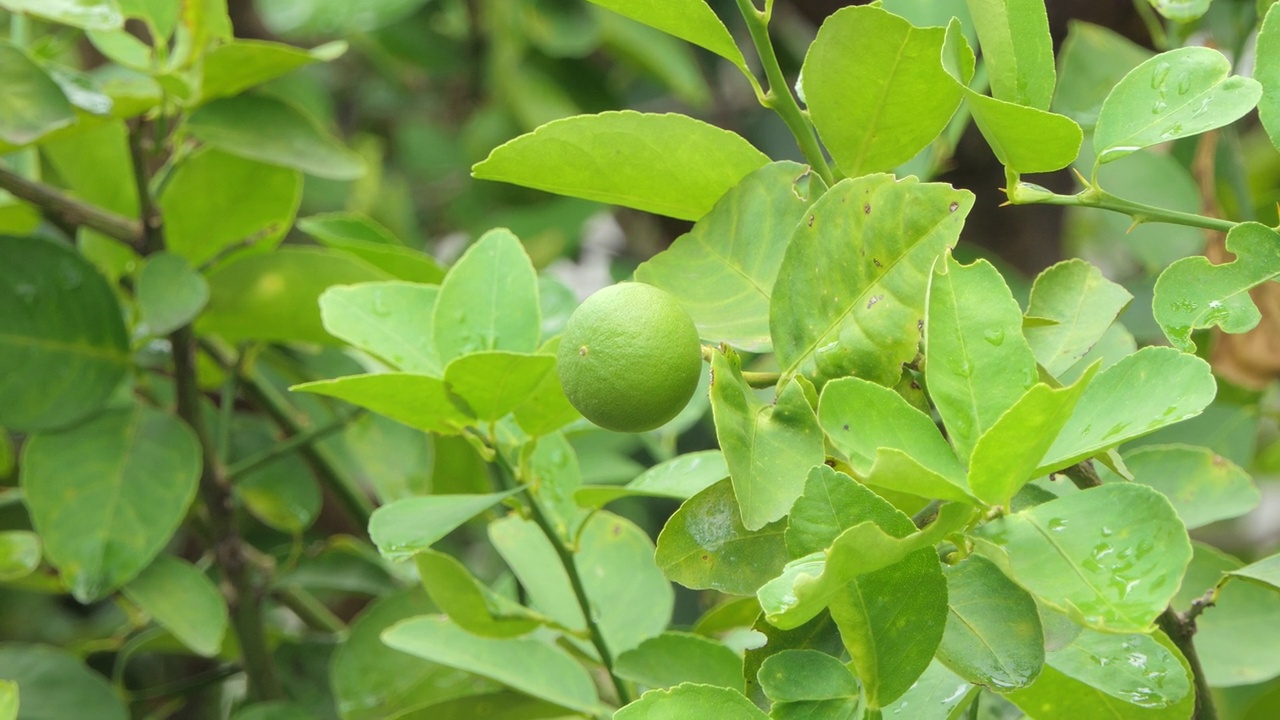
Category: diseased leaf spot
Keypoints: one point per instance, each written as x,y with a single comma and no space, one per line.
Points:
810,221
874,299
955,206
866,209
877,262
846,426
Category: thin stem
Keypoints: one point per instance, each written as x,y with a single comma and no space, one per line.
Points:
227,409
575,579
63,209
288,445
779,97
263,394
1155,26
1095,197
309,609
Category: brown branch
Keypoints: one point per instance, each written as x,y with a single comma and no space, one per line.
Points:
66,211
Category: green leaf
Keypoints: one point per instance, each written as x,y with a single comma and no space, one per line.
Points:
56,684
215,201
1266,70
170,293
63,343
19,554
1116,344
1153,388
1083,302
419,401
1265,571
662,56
935,696
469,603
1193,293
34,104
1110,557
808,584
704,545
371,681
865,319
689,700
546,409
630,599
1016,49
276,296
385,319
768,448
283,493
369,241
236,66
1025,139
96,167
491,384
272,131
1007,455
797,678
679,478
184,601
676,657
8,700
405,527
724,277
1237,637
890,443
1182,11
1203,486
1134,668
85,14
273,710
553,471
666,164
1092,60
531,666
106,495
875,89
689,20
993,636
1173,95
977,363
488,301
1065,691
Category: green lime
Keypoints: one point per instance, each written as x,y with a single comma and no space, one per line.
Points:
629,358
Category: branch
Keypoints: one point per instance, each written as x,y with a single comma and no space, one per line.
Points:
66,210
779,98
1095,197
288,445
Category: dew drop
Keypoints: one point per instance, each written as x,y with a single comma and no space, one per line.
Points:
27,293
1057,524
1184,82
995,336
1160,75
380,307
1158,107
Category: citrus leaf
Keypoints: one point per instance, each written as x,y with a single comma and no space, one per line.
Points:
531,666
679,478
1150,389
676,657
689,20
1182,11
1083,302
19,554
977,363
233,67
875,89
1193,293
1092,60
705,546
993,636
272,131
1266,70
1173,95
769,448
1235,641
56,684
666,164
688,700
62,338
34,104
1110,557
385,319
1203,486
794,676
488,301
723,277
885,235
170,293
1135,668
84,14
184,601
107,494
491,384
419,401
935,696
1017,50
402,528
469,603
1025,139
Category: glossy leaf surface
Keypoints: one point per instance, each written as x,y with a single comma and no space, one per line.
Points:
488,301
1203,486
1083,303
993,636
385,319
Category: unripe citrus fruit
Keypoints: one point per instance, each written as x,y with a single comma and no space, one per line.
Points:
629,358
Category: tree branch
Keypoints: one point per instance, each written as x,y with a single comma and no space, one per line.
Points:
65,210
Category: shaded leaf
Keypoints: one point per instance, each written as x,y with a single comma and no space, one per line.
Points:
1083,302
689,700
1181,10
468,602
1135,668
491,384
385,319
993,636
1092,60
366,239
673,658
680,478
794,676
705,546
666,164
170,293
1017,50
1203,486
238,65
85,14
34,104
64,347
690,20
184,601
56,684
935,696
419,401
405,527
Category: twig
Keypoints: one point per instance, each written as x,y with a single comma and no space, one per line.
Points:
309,609
67,211
288,445
1095,197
